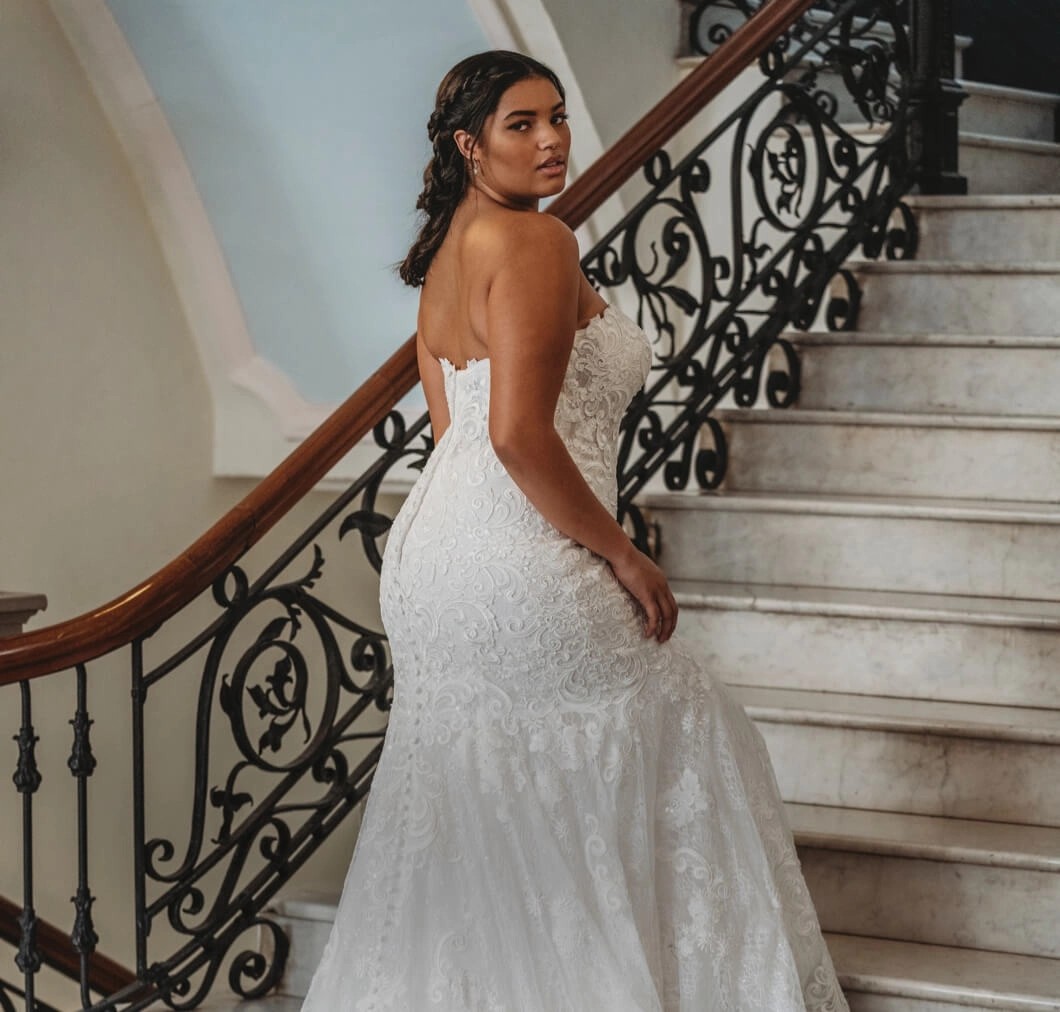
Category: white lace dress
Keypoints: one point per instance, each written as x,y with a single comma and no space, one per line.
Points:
566,817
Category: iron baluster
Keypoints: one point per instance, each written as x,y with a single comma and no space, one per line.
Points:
27,780
934,100
139,692
11,998
82,764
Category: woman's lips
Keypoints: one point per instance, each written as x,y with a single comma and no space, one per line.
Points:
553,167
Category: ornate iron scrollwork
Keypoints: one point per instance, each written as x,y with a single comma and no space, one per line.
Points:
285,682
813,167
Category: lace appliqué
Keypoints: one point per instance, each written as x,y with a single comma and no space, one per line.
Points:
566,817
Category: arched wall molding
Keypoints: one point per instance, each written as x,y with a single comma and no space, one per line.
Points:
259,415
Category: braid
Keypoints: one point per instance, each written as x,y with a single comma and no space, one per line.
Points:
444,183
467,96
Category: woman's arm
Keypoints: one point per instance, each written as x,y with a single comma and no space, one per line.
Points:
433,388
531,317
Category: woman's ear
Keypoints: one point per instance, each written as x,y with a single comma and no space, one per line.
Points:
465,143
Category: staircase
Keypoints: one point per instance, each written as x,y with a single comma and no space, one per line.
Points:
879,582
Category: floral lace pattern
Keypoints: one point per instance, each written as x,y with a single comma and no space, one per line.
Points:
566,817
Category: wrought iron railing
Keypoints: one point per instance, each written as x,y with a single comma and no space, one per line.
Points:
738,237
812,165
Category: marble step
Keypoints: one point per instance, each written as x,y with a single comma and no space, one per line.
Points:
893,453
882,975
999,164
922,757
970,373
932,546
950,297
925,646
727,15
306,917
991,162
1008,112
271,1003
867,966
990,109
943,881
988,227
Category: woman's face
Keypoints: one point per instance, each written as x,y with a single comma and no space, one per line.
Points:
522,153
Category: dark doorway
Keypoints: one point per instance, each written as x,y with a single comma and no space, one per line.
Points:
1014,42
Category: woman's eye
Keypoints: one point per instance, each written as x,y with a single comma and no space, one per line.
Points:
524,124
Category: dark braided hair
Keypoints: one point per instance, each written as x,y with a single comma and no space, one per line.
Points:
466,98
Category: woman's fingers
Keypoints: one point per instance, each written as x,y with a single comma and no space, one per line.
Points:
667,615
652,616
660,614
673,613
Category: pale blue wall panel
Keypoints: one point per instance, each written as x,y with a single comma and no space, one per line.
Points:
303,122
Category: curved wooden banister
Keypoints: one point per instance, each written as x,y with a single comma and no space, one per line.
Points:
78,640
656,128
61,646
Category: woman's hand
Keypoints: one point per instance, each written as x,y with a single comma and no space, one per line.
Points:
647,584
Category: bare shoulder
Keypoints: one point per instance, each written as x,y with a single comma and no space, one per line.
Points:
517,236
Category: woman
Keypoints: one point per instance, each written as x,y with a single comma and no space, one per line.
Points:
568,815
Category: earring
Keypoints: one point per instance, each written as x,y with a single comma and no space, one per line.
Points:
475,167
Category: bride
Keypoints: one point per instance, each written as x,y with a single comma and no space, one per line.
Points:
569,814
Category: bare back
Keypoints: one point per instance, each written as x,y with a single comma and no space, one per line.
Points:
452,313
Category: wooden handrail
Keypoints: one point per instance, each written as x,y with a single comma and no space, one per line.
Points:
105,976
655,129
78,640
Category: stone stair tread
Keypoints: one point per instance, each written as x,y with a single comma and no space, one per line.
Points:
1008,92
982,201
967,137
884,604
306,905
270,1003
1009,143
903,715
869,338
914,970
954,266
896,419
690,61
846,504
928,837
867,965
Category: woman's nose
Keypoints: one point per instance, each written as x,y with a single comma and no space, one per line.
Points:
549,137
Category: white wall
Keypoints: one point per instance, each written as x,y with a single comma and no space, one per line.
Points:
623,53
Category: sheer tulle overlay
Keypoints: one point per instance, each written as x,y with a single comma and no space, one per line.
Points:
566,817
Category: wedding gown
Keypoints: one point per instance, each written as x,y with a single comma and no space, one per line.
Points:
566,816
